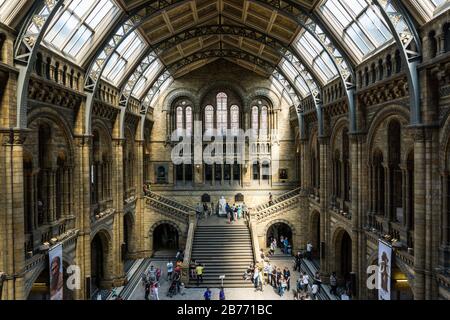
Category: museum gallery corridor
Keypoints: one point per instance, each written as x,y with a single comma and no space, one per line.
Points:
279,149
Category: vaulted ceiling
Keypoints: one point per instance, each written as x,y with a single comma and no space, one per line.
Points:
195,14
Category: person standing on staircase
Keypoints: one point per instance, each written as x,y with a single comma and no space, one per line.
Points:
270,199
309,248
333,283
199,270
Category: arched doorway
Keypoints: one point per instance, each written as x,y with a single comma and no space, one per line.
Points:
315,234
278,230
99,253
343,255
165,238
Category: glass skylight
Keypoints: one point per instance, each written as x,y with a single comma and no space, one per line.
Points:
148,77
316,56
123,58
359,24
77,24
294,77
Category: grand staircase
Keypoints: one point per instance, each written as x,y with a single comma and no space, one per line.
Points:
223,250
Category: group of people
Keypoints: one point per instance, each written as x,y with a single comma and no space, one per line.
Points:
235,212
150,281
203,211
285,246
266,274
208,294
196,271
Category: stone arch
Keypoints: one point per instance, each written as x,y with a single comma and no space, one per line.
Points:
228,85
38,271
101,258
255,93
274,222
444,149
401,112
176,94
342,256
338,126
172,224
53,118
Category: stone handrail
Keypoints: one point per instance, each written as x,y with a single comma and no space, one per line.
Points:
170,202
255,241
188,248
279,199
166,209
259,215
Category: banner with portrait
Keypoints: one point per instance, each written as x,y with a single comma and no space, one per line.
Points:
55,256
384,270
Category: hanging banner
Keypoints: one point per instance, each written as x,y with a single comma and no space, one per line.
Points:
384,270
55,255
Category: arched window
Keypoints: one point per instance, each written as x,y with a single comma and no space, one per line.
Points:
255,119
179,126
234,119
209,118
189,121
264,124
222,113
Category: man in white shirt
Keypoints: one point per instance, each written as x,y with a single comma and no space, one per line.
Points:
169,270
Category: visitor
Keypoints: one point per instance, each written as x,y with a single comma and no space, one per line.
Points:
268,272
282,286
309,248
147,289
298,261
281,243
273,246
273,277
318,281
206,210
169,270
155,293
207,294
229,213
261,280
345,295
256,278
158,274
198,211
235,212
279,275
146,190
222,294
298,291
333,283
239,212
151,275
177,281
199,271
305,283
245,210
286,245
270,199
287,277
314,291
192,267
248,274
262,255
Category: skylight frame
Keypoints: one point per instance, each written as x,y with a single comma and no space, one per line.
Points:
354,24
81,23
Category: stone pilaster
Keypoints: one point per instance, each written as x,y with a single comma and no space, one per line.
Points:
325,222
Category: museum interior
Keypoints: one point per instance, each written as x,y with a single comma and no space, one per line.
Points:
339,118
